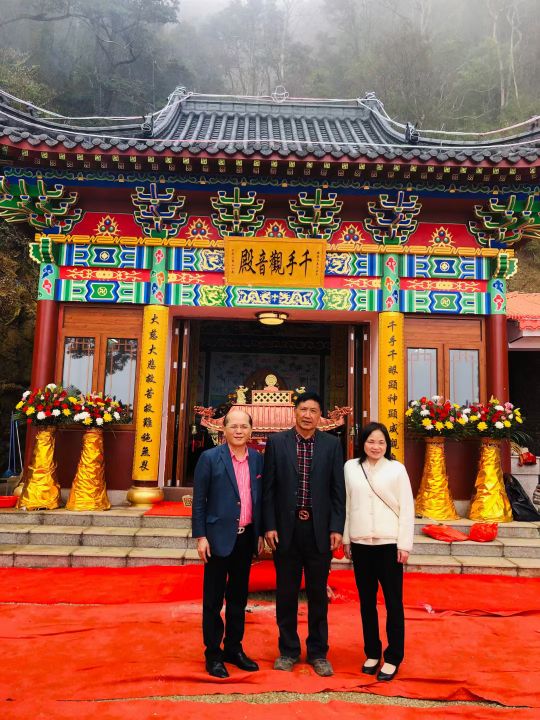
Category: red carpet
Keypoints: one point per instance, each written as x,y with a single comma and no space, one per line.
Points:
168,710
468,638
470,594
170,509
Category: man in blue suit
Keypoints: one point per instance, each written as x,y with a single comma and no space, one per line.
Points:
227,522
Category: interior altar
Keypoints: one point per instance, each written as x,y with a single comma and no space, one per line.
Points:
271,410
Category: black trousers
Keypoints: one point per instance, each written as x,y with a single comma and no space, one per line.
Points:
302,555
374,564
226,578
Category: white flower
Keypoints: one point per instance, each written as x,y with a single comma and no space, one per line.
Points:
466,410
510,416
26,394
56,412
414,403
116,416
41,415
428,427
99,421
464,419
499,425
51,386
424,412
499,407
436,398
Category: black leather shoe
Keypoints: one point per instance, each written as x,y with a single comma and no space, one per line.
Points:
371,669
216,668
386,677
241,660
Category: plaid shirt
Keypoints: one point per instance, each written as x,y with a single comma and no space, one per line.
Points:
304,452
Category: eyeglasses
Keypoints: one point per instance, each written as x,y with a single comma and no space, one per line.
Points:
238,427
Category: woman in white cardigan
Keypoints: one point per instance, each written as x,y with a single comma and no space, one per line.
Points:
378,537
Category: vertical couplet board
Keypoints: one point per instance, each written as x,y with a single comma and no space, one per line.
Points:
392,379
150,394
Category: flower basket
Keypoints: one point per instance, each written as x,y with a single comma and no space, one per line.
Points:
435,419
45,408
95,413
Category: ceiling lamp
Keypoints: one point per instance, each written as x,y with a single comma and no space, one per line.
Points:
271,317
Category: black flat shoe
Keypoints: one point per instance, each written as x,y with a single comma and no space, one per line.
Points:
217,669
371,669
386,677
241,660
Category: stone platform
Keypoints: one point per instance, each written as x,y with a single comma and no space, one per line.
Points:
125,537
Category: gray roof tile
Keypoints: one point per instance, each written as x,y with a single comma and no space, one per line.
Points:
295,128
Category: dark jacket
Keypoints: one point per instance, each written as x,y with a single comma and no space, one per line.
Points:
280,487
216,500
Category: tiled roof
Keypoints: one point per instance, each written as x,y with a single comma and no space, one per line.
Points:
525,308
344,129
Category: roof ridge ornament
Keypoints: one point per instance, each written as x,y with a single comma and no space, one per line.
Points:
412,135
280,94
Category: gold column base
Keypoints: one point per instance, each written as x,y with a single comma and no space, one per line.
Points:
490,502
144,496
88,490
41,490
434,499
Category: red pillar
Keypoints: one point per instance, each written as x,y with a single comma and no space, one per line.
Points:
44,356
45,334
497,358
498,384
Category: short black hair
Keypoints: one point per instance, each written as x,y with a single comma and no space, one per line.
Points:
366,432
232,409
305,396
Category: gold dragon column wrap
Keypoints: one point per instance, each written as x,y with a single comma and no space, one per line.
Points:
490,502
88,490
434,499
150,391
41,489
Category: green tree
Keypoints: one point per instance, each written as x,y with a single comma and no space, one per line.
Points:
18,282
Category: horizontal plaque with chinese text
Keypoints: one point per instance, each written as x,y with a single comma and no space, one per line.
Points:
274,262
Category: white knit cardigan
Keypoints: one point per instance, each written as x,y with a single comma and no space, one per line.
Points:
368,518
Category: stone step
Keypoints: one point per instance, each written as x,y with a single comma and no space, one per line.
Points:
116,517
42,556
465,565
97,536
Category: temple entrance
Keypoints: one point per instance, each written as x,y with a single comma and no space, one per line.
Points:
211,359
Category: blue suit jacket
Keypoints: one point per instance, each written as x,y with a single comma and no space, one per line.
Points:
216,500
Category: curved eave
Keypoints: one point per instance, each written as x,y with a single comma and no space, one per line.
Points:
511,157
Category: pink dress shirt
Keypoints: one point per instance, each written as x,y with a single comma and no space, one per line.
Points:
241,471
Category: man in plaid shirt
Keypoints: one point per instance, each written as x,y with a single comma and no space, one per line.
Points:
304,515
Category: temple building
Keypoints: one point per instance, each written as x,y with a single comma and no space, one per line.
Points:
231,247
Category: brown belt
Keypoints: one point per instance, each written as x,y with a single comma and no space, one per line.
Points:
304,513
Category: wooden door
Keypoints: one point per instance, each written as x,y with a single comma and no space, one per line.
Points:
177,410
357,384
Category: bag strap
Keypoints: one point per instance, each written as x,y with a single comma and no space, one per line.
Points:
376,493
